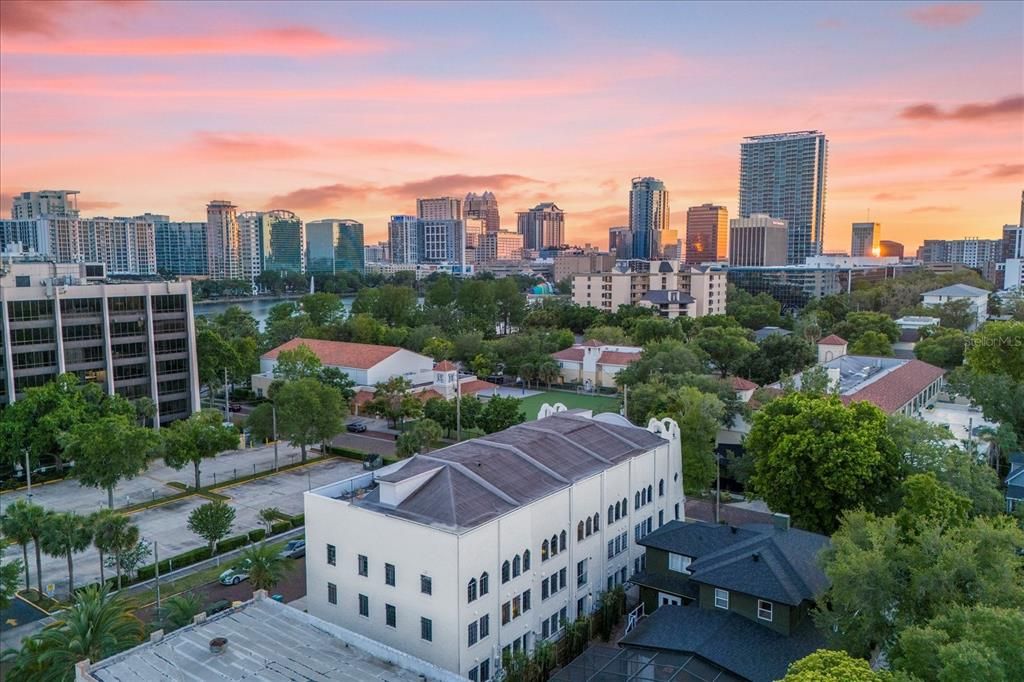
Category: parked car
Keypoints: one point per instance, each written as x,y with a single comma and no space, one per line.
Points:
234,408
294,550
235,574
356,427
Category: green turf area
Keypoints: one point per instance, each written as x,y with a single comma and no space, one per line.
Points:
531,405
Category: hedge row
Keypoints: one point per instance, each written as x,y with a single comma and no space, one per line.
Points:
280,527
257,535
298,520
188,558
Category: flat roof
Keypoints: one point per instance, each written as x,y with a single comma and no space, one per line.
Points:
266,641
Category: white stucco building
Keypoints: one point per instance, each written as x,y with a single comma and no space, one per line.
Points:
978,299
491,545
365,363
593,364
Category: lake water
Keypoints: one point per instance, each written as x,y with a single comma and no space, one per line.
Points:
259,308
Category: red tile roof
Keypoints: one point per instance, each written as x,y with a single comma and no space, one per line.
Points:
611,357
898,387
339,353
741,384
444,366
476,386
573,354
593,343
428,394
833,340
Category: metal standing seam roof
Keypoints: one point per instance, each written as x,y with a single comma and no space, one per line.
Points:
480,479
958,290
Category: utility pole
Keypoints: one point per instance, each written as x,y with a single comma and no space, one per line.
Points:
458,407
28,476
273,414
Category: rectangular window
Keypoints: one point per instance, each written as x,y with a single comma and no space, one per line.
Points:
580,606
517,606
543,589
721,598
764,610
427,629
389,574
332,556
545,629
474,675
390,616
526,601
563,616
364,605
485,626
581,573
332,593
611,548
506,613
679,563
471,637
677,511
661,518
364,565
561,579
485,670
426,585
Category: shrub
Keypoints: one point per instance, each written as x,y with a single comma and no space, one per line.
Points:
280,527
231,543
257,535
188,558
298,520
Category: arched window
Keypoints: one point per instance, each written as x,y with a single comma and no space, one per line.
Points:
561,542
636,501
505,570
471,590
590,527
643,497
544,551
650,493
526,561
675,476
618,512
625,506
611,519
485,584
516,567
554,545
661,488
579,531
597,522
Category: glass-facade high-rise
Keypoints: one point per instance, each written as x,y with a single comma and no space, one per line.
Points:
648,217
785,176
285,249
334,245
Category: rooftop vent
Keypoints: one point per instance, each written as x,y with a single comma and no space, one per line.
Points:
218,644
756,556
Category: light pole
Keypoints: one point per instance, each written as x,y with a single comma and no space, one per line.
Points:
273,416
156,566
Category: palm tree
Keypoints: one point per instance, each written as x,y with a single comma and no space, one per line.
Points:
181,609
548,371
64,534
15,524
26,663
114,533
28,519
266,566
97,626
100,524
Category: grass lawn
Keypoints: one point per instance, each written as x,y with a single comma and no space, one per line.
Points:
532,404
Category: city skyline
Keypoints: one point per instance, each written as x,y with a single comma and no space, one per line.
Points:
926,138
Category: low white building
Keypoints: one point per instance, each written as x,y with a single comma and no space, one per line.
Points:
978,299
491,545
593,364
365,363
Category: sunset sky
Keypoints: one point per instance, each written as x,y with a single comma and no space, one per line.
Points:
353,110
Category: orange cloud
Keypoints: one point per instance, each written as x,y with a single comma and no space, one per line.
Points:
1006,170
325,196
933,209
891,196
458,184
945,14
244,147
288,41
975,111
96,205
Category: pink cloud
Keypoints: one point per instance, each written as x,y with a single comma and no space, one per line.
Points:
325,196
933,209
288,41
1006,170
892,196
944,14
33,17
96,205
244,147
974,111
443,185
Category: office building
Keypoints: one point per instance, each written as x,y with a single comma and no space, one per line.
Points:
335,245
483,207
474,227
785,176
707,234
499,246
492,545
46,237
865,239
223,241
569,263
1013,242
441,241
543,226
440,208
791,285
620,242
377,253
648,217
47,202
670,287
404,239
126,246
887,249
283,242
758,240
136,339
972,252
180,246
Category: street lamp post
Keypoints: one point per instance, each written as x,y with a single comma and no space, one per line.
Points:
273,414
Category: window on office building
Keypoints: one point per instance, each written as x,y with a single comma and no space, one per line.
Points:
332,593
427,629
364,565
389,574
426,585
332,555
390,616
364,605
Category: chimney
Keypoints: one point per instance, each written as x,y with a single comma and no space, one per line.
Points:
780,521
756,556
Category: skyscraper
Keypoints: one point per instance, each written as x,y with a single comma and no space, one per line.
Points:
543,226
648,216
707,234
620,242
180,246
286,249
757,241
253,243
46,202
223,241
888,248
441,241
439,208
485,207
865,240
784,175
334,245
403,239
125,245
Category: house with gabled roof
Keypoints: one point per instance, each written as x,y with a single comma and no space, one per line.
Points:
593,364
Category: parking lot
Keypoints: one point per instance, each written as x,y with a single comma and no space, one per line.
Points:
166,523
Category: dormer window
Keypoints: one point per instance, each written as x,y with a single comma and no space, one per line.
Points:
679,563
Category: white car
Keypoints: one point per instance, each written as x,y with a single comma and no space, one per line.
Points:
235,574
